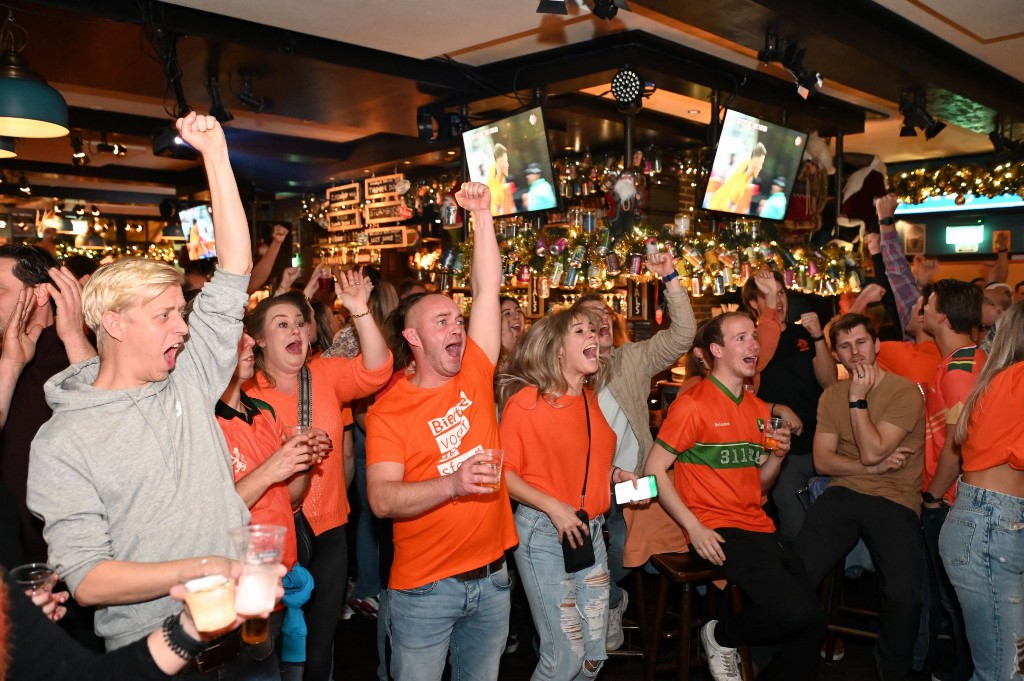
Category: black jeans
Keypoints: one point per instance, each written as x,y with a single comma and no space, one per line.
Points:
329,568
782,609
892,533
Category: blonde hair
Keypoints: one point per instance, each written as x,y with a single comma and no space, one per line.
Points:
1007,349
535,359
122,285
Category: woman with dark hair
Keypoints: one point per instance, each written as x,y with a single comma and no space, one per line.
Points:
282,346
558,444
982,540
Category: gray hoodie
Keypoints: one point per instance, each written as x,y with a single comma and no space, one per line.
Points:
143,474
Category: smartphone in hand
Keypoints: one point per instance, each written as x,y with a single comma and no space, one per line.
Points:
646,488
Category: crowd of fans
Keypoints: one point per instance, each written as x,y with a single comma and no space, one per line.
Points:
145,413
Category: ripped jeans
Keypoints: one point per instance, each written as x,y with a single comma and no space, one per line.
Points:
570,611
982,549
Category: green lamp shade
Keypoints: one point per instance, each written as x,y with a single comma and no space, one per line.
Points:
28,106
7,147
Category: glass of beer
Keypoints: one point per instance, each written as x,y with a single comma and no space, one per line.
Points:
259,550
494,467
210,595
34,577
770,426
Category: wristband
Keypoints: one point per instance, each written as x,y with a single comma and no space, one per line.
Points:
361,314
859,404
670,276
451,487
886,221
815,339
180,643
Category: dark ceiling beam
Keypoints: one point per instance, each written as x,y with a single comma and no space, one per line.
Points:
166,178
194,22
605,109
654,57
91,195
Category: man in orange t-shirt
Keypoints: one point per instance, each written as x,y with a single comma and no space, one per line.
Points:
428,468
712,435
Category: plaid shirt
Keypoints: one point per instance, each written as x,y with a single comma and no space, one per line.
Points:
901,279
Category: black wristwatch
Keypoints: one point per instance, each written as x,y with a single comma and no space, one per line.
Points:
859,404
886,221
929,498
180,643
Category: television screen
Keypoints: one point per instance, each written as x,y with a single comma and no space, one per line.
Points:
197,226
755,166
511,157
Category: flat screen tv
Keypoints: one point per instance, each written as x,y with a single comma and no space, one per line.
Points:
755,166
511,157
197,226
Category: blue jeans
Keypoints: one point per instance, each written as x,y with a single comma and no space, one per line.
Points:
982,549
570,610
467,619
615,523
367,556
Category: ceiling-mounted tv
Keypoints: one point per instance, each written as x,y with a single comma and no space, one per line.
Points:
511,157
197,226
755,166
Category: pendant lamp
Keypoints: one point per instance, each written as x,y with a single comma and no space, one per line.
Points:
28,106
7,149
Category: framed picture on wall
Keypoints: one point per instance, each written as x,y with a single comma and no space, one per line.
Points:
913,238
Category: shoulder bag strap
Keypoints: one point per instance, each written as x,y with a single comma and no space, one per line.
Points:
305,397
586,471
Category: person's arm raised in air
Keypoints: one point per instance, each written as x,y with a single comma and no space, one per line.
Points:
485,323
354,291
18,348
823,361
265,265
901,280
230,227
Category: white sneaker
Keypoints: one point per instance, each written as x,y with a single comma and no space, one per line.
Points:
615,638
723,662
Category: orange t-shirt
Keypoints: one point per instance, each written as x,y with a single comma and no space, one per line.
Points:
253,437
915,362
995,430
716,438
335,381
947,393
546,446
431,431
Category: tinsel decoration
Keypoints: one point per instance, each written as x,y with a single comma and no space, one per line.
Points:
110,253
914,186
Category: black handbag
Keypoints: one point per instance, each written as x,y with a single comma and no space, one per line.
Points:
305,538
581,556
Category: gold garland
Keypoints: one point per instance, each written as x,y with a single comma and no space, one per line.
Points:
914,186
110,253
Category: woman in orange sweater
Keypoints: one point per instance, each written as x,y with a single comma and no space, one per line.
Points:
550,424
282,346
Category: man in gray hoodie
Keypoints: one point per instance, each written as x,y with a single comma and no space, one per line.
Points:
131,475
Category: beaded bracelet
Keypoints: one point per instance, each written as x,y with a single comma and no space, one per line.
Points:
180,643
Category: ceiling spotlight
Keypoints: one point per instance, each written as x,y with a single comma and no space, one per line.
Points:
28,106
251,100
76,146
771,51
78,161
105,147
628,89
95,211
23,185
58,206
808,82
916,116
80,209
607,9
552,7
907,130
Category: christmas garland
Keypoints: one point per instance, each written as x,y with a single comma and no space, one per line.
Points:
914,186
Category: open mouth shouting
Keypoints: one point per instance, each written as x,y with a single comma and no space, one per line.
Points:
750,360
591,352
171,355
295,348
454,349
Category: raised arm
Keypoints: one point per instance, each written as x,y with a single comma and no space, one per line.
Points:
265,265
354,291
485,278
897,271
19,347
230,227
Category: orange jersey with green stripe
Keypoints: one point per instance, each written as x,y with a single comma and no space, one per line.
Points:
716,439
945,399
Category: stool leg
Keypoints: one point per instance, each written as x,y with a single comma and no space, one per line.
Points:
653,641
685,628
746,663
640,581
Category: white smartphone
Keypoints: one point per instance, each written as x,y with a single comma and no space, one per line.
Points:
646,488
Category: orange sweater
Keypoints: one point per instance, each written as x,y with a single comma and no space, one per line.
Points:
336,382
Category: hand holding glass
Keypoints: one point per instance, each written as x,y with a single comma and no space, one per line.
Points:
770,426
210,595
259,550
494,466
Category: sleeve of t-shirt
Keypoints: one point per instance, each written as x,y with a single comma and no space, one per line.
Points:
476,366
905,407
515,423
825,422
382,441
679,430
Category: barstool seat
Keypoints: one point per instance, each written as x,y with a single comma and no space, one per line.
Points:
688,570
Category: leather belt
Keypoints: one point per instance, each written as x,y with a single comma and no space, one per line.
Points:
220,653
481,572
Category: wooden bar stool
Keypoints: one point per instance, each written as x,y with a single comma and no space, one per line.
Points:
687,570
